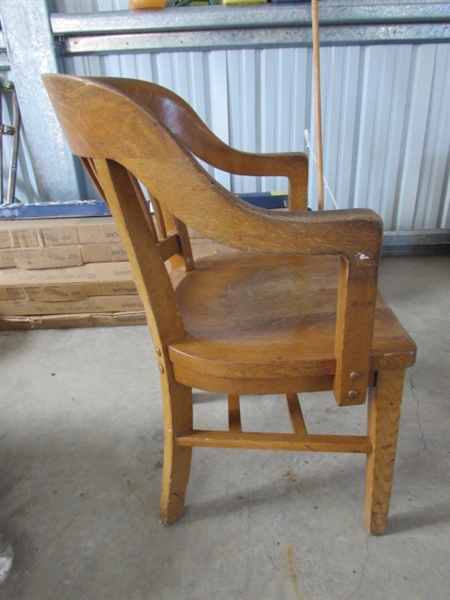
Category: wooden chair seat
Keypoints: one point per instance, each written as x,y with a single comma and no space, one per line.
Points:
240,309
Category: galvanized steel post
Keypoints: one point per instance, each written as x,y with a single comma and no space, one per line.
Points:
31,51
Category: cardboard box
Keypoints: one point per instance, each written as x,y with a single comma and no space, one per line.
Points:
76,256
64,273
86,233
61,256
69,321
70,283
48,233
96,304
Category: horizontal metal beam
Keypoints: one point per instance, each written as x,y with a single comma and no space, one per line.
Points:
408,243
273,37
258,26
332,12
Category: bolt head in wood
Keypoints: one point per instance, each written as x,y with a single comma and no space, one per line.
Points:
353,394
355,375
161,368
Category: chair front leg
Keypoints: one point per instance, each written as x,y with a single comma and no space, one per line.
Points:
383,422
178,418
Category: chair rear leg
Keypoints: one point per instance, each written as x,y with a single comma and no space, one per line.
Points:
383,423
178,418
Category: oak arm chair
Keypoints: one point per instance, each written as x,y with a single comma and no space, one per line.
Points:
296,310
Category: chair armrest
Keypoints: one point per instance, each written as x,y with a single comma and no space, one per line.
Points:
183,121
293,165
354,235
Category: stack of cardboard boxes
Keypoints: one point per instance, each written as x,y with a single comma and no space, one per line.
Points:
70,273
65,273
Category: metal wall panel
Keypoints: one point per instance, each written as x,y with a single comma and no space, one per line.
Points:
26,187
386,115
386,121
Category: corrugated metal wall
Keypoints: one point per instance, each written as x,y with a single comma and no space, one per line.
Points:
386,121
386,114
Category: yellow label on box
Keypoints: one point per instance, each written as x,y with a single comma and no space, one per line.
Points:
244,1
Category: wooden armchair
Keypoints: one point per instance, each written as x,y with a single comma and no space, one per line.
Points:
297,309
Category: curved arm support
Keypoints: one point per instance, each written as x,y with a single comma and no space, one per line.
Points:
184,122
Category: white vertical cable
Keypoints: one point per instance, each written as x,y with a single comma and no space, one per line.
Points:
308,145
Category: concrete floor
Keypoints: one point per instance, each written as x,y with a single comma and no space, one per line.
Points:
81,452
